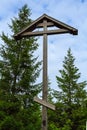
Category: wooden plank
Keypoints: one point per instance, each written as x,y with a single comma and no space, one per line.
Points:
45,78
44,103
48,24
40,33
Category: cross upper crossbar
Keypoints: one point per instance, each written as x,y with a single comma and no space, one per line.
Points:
51,22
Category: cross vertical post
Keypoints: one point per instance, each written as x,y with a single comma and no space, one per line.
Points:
45,80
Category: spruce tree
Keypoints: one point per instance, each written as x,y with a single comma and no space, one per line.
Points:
70,113
19,69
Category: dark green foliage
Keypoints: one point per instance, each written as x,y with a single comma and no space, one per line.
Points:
70,111
19,69
30,118
9,123
22,21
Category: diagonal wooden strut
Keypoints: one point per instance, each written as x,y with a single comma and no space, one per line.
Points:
44,103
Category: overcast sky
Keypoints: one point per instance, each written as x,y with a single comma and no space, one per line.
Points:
71,12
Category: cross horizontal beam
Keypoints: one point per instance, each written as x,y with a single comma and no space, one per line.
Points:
44,103
40,33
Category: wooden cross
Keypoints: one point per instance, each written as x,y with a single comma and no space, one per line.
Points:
44,22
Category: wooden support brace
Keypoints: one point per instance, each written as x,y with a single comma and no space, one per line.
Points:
44,103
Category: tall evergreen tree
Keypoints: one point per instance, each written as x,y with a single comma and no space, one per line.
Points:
70,113
19,69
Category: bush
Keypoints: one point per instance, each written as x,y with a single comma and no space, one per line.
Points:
9,123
